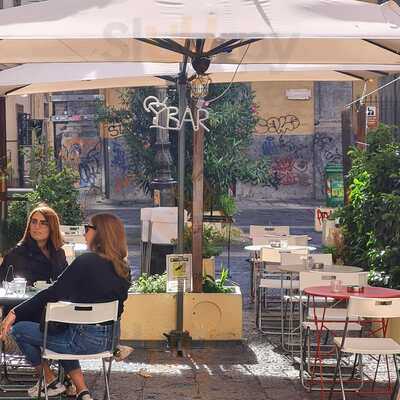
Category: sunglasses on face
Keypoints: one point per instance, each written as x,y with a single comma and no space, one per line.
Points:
39,223
89,226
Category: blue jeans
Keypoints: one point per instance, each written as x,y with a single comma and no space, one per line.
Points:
75,339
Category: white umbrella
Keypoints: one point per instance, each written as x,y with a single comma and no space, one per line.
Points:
55,77
295,31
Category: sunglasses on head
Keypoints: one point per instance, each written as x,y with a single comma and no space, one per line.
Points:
89,226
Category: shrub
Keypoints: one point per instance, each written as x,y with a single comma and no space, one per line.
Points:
370,222
150,284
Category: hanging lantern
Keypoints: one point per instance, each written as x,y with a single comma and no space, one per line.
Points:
199,85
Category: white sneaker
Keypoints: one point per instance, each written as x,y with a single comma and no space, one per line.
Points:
84,395
53,389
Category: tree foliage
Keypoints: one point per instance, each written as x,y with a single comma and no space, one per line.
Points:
371,224
226,147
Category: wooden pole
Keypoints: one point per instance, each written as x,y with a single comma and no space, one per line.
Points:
197,216
347,141
3,174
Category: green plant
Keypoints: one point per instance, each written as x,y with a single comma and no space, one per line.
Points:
211,285
370,222
212,241
227,205
150,284
56,188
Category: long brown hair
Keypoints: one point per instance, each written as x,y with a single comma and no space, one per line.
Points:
55,236
109,242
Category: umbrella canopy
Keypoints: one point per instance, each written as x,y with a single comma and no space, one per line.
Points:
53,77
291,31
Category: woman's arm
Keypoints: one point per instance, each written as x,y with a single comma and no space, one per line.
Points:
61,289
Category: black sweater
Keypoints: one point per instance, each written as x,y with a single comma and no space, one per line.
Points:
30,263
89,279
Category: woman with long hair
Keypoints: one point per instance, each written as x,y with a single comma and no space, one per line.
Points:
39,255
102,275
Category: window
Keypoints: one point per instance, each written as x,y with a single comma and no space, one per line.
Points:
1,4
17,3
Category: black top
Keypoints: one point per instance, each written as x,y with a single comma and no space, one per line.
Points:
89,279
30,263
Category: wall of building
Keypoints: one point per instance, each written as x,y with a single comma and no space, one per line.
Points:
284,135
298,136
122,184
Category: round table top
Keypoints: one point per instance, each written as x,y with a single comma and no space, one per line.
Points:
282,249
327,268
369,292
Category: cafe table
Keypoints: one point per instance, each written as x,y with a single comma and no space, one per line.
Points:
343,295
290,271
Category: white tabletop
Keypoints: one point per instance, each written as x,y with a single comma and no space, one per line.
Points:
327,268
286,249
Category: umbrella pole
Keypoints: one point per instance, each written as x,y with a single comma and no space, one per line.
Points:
178,339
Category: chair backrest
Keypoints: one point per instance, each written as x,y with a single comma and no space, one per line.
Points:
292,259
270,255
266,239
373,307
73,233
326,259
260,230
80,313
297,240
319,278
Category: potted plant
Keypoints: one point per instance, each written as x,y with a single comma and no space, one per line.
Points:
212,246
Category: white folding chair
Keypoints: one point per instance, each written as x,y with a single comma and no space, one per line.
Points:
323,258
75,313
297,240
73,233
374,308
330,319
260,230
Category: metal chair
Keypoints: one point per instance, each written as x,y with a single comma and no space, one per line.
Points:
74,313
375,308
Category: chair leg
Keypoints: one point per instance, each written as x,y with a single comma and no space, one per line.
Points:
341,381
338,356
106,374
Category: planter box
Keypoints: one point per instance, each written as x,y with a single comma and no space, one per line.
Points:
207,316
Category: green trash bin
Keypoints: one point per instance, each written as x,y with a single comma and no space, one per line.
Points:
334,186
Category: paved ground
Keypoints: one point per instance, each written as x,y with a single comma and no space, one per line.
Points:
255,369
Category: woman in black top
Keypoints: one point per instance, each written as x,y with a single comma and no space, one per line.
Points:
39,255
100,276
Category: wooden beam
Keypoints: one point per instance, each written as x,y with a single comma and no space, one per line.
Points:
361,132
347,141
197,217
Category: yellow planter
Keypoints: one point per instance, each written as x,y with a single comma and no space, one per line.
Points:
207,316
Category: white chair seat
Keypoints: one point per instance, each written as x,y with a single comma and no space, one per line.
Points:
276,284
384,346
333,326
52,355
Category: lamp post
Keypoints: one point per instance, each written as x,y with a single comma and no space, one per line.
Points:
163,184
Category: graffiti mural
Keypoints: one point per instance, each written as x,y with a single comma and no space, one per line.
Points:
83,154
291,158
279,125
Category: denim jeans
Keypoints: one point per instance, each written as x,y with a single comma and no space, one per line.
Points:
75,339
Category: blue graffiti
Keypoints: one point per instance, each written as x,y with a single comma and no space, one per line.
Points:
118,158
269,147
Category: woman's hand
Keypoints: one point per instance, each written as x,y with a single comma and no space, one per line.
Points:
7,324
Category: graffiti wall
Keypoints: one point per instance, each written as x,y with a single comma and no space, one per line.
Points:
299,137
122,183
81,150
291,160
